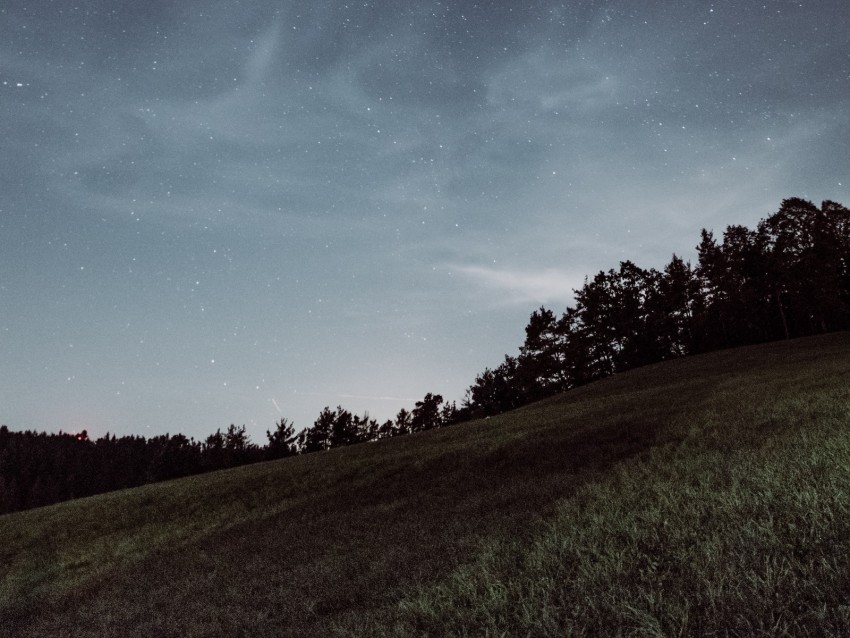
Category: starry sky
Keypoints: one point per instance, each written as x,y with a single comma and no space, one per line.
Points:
217,212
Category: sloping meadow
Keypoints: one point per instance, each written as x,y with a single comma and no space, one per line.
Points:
703,496
738,526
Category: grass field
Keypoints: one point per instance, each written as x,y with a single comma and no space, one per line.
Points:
708,496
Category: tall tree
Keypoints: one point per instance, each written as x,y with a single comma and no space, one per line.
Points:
282,441
806,265
318,437
674,306
542,360
426,413
634,327
732,278
594,329
496,391
403,423
343,428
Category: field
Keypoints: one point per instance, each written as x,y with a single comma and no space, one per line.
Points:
708,496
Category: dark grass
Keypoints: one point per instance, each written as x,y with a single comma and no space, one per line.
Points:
695,497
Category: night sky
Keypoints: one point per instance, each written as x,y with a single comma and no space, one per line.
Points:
223,212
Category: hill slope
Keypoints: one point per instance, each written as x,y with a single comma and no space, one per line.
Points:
699,496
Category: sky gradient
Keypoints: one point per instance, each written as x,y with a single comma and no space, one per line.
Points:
224,212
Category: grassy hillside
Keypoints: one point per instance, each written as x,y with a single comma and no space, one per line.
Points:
705,496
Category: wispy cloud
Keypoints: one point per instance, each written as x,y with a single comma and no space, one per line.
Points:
376,398
524,286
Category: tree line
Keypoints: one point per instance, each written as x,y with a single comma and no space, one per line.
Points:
37,468
788,277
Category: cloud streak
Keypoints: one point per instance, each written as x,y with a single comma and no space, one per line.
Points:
522,287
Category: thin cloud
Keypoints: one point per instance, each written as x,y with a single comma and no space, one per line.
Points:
375,398
524,286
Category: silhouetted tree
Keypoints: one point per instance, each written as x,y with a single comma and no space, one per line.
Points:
451,414
807,265
213,451
385,430
345,429
426,413
367,429
496,391
677,301
282,441
318,437
541,369
403,423
240,449
593,327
